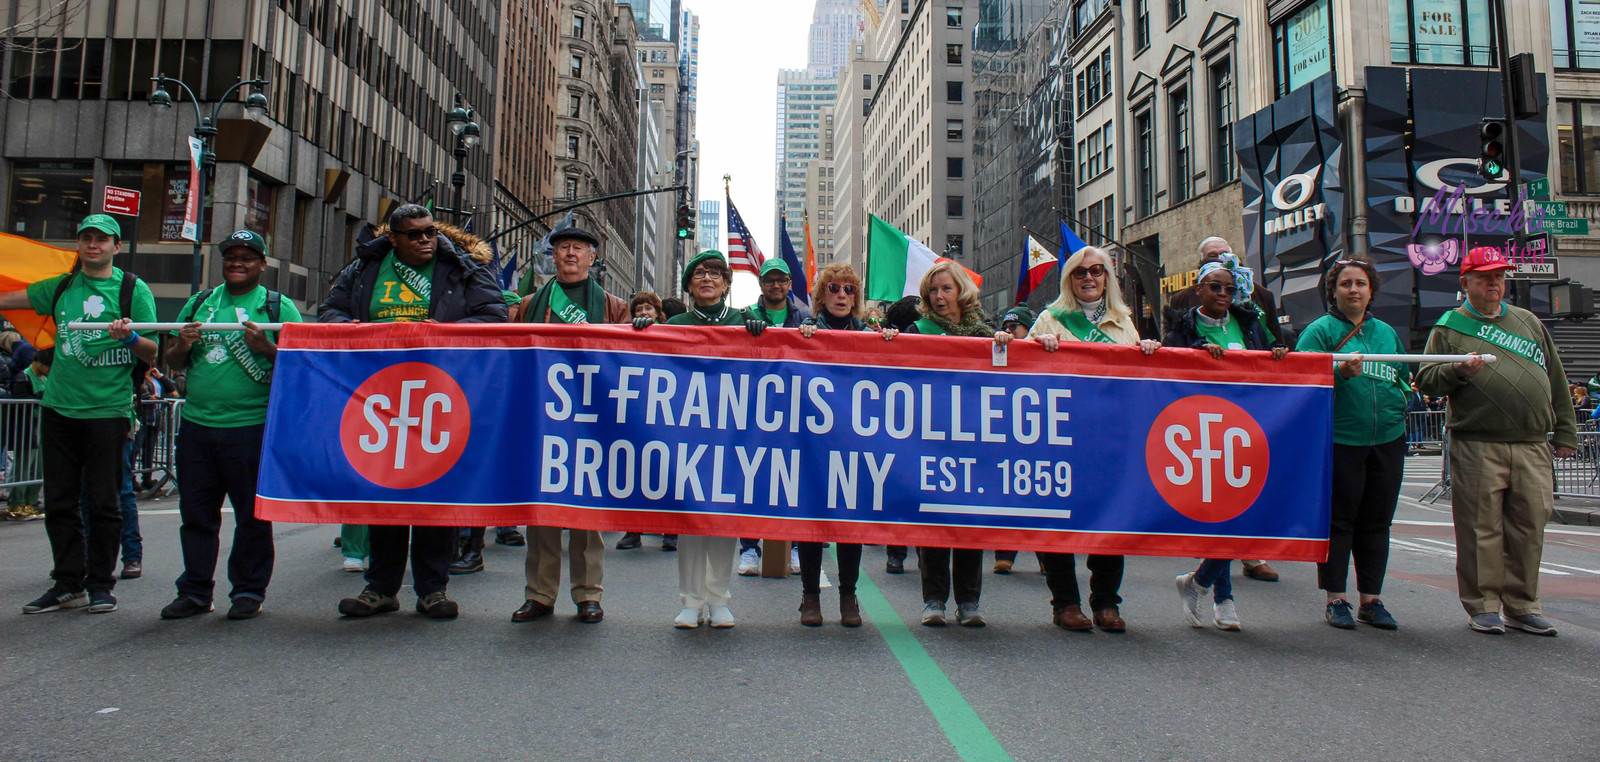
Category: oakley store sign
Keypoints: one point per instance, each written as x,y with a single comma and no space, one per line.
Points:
1426,205
1289,160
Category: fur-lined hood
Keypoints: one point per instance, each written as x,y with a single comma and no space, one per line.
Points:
468,244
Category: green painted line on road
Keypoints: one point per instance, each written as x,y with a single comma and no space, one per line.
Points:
961,725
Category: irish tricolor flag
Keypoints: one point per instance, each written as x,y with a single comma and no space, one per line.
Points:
24,261
896,262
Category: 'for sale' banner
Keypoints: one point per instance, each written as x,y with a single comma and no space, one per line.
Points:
843,437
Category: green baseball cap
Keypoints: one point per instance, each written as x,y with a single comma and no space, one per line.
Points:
103,223
249,239
774,264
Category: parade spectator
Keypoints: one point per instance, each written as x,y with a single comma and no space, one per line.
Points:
355,546
1217,325
646,304
1369,441
410,273
220,436
671,307
23,433
572,297
1090,308
705,564
949,307
875,320
86,412
838,291
1504,419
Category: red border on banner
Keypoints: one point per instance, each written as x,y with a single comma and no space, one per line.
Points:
799,530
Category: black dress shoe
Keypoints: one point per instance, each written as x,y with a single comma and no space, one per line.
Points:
510,537
895,565
669,542
469,562
589,612
532,610
629,541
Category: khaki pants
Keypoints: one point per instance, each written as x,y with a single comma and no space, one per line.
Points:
1502,500
586,551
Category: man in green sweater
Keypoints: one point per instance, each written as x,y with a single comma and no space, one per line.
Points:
1501,416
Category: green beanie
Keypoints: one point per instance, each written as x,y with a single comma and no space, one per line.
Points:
708,254
1020,313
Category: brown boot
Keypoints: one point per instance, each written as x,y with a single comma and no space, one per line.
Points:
1108,620
1262,572
1072,618
810,611
849,611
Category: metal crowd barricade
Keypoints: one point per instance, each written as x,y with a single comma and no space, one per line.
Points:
154,453
155,447
19,439
1579,476
1425,431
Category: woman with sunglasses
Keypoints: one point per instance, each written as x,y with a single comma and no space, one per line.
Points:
705,564
950,308
1217,325
1090,308
836,295
1369,441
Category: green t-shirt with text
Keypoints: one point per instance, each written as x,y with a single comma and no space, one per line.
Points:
228,383
92,376
395,302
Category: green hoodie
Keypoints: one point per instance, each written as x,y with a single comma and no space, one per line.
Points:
1369,409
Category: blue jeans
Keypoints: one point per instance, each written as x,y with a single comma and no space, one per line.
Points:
1217,574
132,542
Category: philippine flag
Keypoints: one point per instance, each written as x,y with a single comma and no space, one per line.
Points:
1036,267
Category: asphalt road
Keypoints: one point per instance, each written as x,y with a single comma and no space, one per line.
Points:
299,682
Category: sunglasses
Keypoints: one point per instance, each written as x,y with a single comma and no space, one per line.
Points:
1218,288
702,273
874,321
845,288
1092,271
418,236
1010,325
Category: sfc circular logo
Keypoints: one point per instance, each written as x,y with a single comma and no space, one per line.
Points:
1207,457
405,426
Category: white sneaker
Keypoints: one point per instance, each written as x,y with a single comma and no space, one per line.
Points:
355,565
750,563
721,617
687,619
1225,617
1189,591
794,559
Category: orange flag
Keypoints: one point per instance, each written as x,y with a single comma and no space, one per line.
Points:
811,255
24,261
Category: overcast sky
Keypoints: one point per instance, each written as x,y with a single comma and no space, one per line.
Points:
743,44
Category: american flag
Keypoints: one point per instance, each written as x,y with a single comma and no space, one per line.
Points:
743,252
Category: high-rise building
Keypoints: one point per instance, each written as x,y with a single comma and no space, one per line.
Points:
357,100
836,25
848,217
709,223
526,94
805,107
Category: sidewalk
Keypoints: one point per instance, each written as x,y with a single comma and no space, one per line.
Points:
1577,511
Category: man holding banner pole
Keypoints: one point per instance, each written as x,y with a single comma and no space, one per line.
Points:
571,297
414,274
87,408
1502,417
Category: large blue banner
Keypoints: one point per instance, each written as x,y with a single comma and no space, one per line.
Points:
843,437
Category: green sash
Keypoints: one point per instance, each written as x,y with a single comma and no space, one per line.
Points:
551,296
927,327
1079,325
416,281
1526,348
563,308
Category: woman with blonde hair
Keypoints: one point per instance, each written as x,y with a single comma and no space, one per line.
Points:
1090,308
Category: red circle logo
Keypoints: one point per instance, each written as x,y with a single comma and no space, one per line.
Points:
405,426
1207,457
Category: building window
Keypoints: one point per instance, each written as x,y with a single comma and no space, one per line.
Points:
1578,136
1182,146
1144,131
953,244
49,199
866,82
953,129
572,187
577,25
952,91
1440,32
1141,24
574,106
952,55
952,17
1221,122
572,146
1176,10
1575,28
953,206
577,65
1302,45
955,167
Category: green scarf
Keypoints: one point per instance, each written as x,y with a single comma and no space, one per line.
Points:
1080,326
551,296
971,325
1522,347
416,281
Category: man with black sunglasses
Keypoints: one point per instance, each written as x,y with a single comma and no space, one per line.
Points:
413,274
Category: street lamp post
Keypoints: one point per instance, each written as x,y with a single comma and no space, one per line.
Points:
205,129
467,135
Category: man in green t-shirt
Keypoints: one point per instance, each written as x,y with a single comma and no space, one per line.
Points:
224,416
87,408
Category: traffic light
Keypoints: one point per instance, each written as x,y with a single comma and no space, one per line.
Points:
685,221
1492,155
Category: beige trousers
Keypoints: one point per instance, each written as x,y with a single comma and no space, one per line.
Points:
705,570
1502,500
586,552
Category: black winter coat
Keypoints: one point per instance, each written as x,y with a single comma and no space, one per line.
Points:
463,291
1183,333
